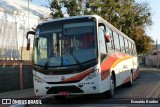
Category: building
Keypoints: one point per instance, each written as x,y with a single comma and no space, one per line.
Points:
16,19
152,58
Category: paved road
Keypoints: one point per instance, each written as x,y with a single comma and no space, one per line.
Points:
147,86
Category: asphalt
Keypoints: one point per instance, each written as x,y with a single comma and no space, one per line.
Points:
25,93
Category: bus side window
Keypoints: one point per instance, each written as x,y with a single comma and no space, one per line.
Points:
122,43
101,39
126,45
129,45
110,44
135,50
116,41
132,51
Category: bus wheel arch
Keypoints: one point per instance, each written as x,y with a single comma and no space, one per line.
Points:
110,93
114,77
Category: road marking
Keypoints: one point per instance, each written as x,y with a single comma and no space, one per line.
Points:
155,90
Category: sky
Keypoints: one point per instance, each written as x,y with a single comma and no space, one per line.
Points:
153,31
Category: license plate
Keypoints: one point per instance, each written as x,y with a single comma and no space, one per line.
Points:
64,93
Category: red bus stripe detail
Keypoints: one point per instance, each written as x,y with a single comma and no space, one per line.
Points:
120,60
79,76
126,80
111,62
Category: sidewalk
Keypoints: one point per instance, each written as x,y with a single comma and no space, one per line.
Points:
149,68
25,93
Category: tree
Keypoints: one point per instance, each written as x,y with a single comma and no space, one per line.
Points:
56,7
126,15
73,7
142,40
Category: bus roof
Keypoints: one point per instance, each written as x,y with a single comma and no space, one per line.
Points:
95,16
71,17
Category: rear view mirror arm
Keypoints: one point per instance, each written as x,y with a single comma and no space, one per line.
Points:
30,32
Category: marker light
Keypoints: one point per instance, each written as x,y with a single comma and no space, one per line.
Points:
38,79
92,75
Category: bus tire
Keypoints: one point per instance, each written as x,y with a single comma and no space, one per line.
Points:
130,83
110,93
138,76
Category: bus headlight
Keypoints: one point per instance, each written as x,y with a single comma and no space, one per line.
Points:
38,79
92,75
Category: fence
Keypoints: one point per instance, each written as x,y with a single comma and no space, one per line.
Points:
15,75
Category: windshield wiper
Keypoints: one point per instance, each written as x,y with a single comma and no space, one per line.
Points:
75,58
47,63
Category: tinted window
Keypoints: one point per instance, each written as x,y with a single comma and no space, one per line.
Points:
116,41
134,52
110,44
126,46
130,47
122,43
102,40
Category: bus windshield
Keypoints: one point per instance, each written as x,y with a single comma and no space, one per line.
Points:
65,44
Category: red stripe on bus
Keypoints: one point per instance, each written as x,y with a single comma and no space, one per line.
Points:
79,76
127,80
111,62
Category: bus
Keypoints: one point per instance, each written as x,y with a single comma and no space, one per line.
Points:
81,55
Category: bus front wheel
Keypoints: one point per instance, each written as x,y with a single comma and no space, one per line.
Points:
110,93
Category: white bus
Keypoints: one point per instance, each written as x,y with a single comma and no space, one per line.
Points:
81,55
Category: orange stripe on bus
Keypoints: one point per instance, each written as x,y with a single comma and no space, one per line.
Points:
79,76
120,60
111,62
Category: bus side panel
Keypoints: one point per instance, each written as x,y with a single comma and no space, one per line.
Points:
123,74
121,64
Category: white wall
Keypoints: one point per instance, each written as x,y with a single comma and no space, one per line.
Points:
21,22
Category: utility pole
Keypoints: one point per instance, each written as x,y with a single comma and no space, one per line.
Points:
157,54
28,24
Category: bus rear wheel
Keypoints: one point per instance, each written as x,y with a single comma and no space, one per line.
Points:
130,83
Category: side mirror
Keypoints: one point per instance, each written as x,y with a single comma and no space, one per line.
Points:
28,44
28,39
107,37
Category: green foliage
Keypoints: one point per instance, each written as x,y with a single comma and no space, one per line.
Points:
56,7
142,40
126,15
73,7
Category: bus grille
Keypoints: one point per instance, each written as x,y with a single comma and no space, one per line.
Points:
71,89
